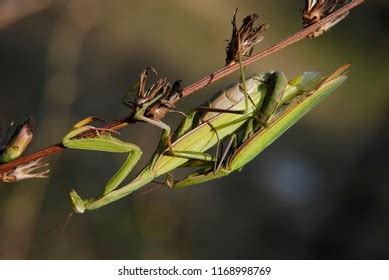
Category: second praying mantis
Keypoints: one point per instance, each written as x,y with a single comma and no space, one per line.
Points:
275,105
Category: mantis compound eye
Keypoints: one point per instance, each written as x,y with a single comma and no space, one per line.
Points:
77,203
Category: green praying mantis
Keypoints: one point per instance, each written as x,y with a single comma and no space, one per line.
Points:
308,88
275,105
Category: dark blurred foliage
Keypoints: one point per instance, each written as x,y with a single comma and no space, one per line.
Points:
319,192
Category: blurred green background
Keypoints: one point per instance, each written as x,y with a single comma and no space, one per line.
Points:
320,191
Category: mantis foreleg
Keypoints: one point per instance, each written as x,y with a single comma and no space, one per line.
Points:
104,142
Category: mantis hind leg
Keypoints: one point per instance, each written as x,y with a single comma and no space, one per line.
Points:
208,172
243,88
232,143
200,176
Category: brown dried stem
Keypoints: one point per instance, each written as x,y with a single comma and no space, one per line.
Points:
217,75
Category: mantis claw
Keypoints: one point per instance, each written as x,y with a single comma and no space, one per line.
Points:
87,120
97,130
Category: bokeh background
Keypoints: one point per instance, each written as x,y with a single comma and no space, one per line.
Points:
319,192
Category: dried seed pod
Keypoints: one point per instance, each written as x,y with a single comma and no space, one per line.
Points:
315,10
245,38
25,171
19,141
157,99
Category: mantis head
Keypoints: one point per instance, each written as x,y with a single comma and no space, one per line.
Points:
77,203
